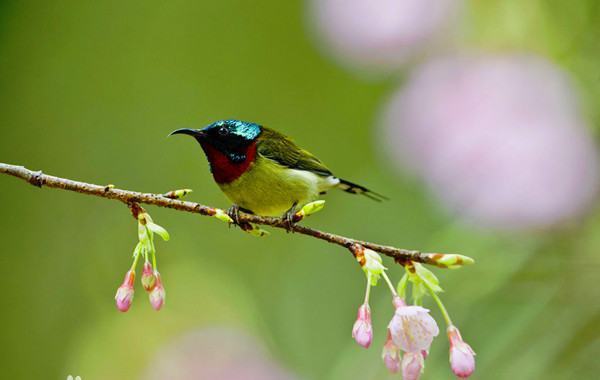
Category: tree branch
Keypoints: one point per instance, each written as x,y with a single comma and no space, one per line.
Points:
40,179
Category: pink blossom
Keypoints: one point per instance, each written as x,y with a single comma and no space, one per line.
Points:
214,353
412,328
124,296
382,34
391,354
362,331
490,135
148,277
462,356
412,365
157,295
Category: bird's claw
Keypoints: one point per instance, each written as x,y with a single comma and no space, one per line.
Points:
289,222
289,218
234,214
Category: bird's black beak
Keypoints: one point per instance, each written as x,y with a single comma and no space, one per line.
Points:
197,133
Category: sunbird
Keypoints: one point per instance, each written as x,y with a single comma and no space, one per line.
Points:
264,172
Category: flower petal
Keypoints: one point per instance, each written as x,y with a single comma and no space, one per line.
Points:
413,329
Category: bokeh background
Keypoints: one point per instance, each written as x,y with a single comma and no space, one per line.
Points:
479,120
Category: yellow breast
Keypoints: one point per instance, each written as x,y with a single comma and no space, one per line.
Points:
270,189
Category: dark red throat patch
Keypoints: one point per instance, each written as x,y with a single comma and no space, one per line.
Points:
223,170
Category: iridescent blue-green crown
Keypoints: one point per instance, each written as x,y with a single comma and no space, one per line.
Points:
245,129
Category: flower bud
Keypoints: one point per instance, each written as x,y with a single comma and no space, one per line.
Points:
222,216
391,354
412,365
148,278
309,209
124,296
462,356
157,295
450,260
362,332
177,194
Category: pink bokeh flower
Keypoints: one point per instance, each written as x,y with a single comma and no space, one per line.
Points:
215,353
362,331
413,329
124,296
412,365
499,139
385,33
462,356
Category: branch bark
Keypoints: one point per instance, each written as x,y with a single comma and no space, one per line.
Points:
39,179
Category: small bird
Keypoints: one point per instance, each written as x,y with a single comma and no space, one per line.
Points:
264,172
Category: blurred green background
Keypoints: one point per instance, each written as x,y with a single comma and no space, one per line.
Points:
89,91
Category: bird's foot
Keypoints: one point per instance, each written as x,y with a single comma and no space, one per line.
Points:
234,214
289,218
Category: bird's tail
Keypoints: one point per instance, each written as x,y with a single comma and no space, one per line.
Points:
353,188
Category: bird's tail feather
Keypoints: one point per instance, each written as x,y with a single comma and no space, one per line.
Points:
353,188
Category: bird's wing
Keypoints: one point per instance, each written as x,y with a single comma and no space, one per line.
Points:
279,148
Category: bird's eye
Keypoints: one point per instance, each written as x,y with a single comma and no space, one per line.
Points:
223,131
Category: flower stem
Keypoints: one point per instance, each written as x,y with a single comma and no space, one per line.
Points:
389,283
152,248
136,257
440,304
368,292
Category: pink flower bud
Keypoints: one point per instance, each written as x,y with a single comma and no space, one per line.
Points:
462,356
124,296
148,278
362,332
391,354
157,295
412,365
398,302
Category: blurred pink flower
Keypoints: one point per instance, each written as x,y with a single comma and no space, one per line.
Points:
462,356
124,296
413,329
412,365
362,331
382,33
499,139
215,354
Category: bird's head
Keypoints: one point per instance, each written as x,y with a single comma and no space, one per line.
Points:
231,138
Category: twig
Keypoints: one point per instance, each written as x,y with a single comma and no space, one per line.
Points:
130,198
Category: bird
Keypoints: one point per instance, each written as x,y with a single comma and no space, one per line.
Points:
264,172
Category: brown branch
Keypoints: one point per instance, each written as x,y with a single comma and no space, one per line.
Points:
40,179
